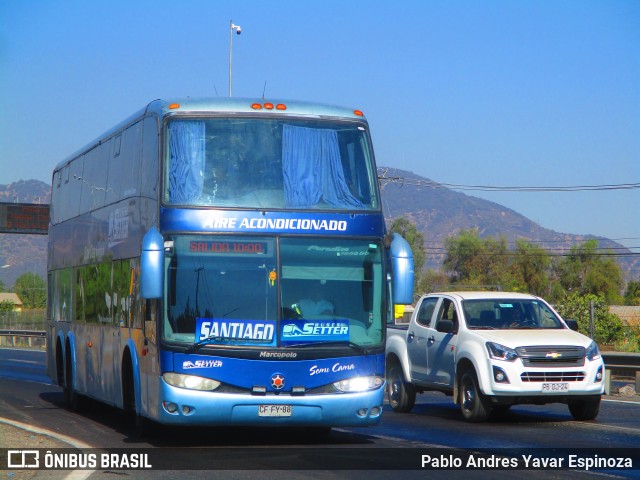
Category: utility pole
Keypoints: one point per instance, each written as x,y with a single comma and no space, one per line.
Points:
238,30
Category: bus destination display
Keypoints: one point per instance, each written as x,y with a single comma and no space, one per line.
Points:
214,247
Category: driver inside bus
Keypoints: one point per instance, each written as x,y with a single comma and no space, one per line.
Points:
315,304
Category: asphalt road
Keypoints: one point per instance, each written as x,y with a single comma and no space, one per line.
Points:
34,417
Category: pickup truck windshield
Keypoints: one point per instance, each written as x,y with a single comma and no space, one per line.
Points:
268,292
272,162
503,314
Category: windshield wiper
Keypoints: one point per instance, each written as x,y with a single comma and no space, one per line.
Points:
200,343
352,345
221,340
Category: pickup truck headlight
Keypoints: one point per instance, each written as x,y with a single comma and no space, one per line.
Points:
500,352
592,352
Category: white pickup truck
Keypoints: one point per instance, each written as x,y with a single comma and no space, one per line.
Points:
492,350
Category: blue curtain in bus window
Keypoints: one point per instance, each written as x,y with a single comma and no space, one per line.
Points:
312,169
187,146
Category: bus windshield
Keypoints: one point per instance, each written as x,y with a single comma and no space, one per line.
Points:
269,163
225,290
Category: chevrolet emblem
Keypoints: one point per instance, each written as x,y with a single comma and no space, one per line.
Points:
553,355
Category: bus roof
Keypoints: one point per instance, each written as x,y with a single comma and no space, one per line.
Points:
250,105
223,105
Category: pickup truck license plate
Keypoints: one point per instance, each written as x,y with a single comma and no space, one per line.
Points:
274,410
555,387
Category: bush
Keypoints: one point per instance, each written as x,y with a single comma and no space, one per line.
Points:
608,328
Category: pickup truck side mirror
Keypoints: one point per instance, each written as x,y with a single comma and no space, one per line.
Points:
445,326
572,324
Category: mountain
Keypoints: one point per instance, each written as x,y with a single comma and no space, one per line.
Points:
438,212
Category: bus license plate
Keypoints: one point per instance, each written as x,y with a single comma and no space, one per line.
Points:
274,410
555,387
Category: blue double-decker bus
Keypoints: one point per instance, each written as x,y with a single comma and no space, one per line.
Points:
225,262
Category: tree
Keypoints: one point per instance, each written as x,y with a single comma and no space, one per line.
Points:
471,260
32,290
432,281
464,258
412,235
530,266
586,271
608,328
632,294
7,306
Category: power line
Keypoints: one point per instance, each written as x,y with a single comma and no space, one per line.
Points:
530,241
385,180
546,253
559,250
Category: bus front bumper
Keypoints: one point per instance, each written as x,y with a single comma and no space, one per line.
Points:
179,406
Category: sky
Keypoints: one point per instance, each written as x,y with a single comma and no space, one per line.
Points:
522,93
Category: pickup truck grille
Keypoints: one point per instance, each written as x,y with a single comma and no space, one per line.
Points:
552,376
552,356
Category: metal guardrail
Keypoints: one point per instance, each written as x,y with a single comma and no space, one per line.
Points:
16,333
624,364
621,360
23,333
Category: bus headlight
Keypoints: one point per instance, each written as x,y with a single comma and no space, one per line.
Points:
359,384
191,382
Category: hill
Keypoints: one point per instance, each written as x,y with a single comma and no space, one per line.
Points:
437,212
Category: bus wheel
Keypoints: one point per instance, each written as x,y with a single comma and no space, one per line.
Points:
318,433
59,364
73,399
145,427
128,387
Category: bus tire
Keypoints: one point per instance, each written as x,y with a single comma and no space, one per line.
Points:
318,433
59,364
73,400
128,386
145,427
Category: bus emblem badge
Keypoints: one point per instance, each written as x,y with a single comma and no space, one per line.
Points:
277,381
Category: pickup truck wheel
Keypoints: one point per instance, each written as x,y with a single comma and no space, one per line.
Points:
586,409
402,395
474,404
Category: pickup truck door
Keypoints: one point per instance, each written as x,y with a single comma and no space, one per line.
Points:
417,338
441,346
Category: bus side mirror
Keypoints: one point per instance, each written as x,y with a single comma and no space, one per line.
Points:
403,270
151,264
